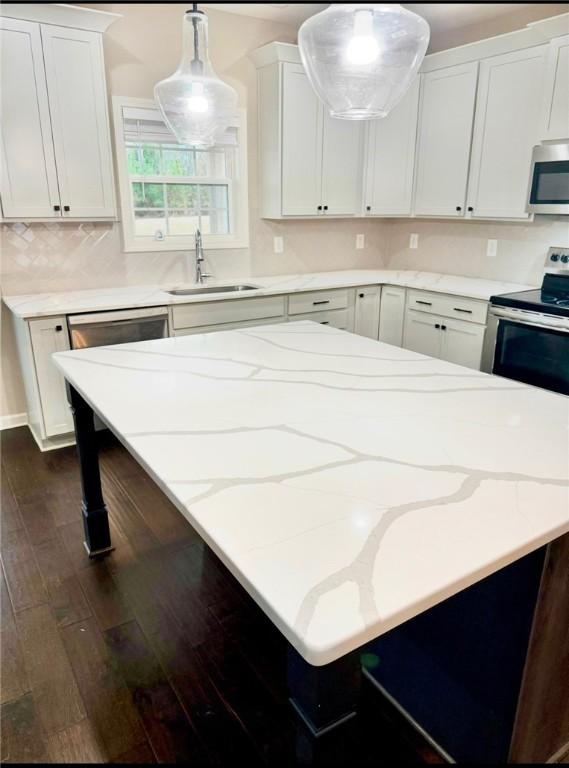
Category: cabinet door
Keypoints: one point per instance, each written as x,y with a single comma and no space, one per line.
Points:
301,144
506,129
342,145
555,111
390,158
48,336
367,311
422,333
461,343
391,315
28,179
446,113
78,106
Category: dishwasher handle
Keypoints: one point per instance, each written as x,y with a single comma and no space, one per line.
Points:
115,316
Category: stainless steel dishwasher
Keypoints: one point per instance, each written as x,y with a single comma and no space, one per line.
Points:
97,329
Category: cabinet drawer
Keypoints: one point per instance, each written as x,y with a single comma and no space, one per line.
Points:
337,318
227,326
472,310
217,312
316,301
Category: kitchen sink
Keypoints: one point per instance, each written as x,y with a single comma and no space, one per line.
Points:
212,289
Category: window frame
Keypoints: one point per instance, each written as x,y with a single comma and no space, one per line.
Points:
238,191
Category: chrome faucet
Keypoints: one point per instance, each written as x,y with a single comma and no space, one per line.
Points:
200,276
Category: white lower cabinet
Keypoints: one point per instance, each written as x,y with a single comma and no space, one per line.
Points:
366,317
462,342
456,341
392,315
422,333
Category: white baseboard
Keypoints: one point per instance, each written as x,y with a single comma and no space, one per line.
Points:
13,420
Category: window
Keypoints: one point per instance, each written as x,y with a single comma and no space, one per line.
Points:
169,190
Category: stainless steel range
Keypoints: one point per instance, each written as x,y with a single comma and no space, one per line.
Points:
527,337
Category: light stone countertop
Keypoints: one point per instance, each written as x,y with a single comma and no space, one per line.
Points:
348,484
98,299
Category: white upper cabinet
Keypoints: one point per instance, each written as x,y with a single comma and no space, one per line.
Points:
301,144
56,152
342,145
555,110
28,178
506,129
446,113
78,106
310,164
390,158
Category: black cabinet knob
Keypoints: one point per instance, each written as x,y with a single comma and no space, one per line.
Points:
368,207
361,295
459,208
319,207
437,325
66,208
470,208
56,207
325,207
58,327
443,327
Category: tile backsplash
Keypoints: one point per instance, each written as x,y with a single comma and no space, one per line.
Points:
43,257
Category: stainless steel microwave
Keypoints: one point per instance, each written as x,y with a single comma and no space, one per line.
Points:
549,179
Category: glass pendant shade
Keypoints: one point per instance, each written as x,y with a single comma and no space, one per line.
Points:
196,105
361,59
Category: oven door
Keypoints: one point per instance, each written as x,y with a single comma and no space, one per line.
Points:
549,180
533,354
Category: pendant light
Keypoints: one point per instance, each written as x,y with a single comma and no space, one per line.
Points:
196,105
362,58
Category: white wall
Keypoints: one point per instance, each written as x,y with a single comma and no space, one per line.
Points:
459,247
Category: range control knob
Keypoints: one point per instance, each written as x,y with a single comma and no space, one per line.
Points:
565,258
554,257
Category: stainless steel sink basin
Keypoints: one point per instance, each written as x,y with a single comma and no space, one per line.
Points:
212,289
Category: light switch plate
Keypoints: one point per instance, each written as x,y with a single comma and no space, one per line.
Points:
278,244
360,242
414,241
492,249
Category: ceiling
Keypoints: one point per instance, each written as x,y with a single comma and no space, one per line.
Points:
449,22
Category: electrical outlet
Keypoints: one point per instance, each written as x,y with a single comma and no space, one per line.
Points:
492,249
278,244
414,241
360,242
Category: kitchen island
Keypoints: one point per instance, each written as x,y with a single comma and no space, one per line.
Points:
350,486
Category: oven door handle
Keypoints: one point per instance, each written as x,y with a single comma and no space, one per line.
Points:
504,314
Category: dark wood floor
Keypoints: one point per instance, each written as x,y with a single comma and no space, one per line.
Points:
154,654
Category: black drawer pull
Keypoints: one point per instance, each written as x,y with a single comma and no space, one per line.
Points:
426,303
467,311
324,322
327,301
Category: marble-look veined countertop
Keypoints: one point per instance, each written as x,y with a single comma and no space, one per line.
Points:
348,484
99,299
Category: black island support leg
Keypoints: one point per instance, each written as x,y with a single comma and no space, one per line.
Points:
94,511
327,696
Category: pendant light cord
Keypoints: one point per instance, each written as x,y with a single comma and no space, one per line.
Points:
197,64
